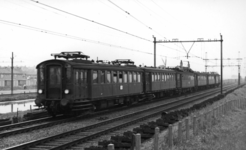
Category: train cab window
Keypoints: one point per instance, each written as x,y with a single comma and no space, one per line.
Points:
108,77
130,77
120,77
139,77
134,77
55,75
94,76
102,76
68,72
125,77
114,76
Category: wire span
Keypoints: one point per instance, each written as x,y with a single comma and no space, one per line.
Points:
92,21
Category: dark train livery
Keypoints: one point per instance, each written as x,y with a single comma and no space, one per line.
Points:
76,84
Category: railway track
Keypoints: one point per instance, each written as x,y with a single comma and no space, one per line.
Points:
36,124
27,126
81,135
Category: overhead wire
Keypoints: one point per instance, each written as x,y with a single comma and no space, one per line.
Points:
70,36
92,21
97,22
150,28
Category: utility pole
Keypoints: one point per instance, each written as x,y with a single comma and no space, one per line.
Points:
221,64
154,51
12,74
206,59
239,77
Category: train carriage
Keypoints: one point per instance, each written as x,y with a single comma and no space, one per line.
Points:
202,80
77,85
160,79
185,79
213,79
80,84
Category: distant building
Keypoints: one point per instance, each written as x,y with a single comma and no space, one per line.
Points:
20,77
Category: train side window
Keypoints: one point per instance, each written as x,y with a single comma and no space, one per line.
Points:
114,76
139,77
95,76
120,77
102,76
108,76
153,77
130,77
125,77
82,76
77,76
85,76
158,76
162,77
134,77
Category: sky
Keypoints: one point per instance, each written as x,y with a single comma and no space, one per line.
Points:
124,29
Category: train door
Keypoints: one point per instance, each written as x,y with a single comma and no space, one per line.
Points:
54,82
83,84
196,80
178,80
147,81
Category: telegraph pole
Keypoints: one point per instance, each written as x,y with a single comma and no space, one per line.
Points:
206,59
221,64
12,76
154,51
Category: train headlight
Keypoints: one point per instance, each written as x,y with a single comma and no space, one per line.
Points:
40,91
66,91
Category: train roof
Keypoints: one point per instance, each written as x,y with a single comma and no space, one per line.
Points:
77,58
154,69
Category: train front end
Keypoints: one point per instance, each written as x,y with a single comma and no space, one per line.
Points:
53,88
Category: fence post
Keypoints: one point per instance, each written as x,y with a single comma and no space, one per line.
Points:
170,136
194,126
187,128
205,121
180,132
138,141
156,138
111,147
12,107
223,112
